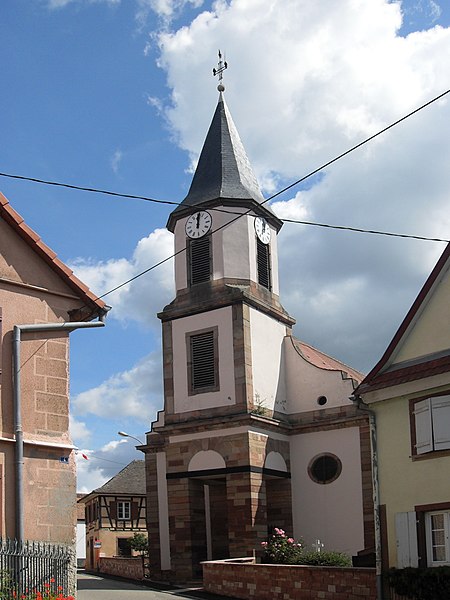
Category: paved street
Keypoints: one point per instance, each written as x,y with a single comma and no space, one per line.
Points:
93,587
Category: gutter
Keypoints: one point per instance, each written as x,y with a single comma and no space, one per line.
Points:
376,492
17,399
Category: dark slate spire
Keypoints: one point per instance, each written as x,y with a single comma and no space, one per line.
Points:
223,169
223,174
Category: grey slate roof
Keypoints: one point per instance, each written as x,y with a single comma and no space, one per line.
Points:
130,481
223,170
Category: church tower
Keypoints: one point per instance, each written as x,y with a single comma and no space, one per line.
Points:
203,461
218,459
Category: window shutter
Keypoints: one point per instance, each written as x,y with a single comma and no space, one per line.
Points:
406,533
424,433
113,510
263,261
203,361
134,511
200,260
441,422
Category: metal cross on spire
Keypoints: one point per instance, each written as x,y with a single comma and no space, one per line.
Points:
221,66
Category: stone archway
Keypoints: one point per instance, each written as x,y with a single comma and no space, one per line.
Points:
278,493
208,501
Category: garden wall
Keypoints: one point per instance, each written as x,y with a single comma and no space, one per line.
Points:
251,581
129,568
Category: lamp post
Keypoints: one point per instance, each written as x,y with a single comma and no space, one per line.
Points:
123,434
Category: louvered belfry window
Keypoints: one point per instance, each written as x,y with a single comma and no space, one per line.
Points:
202,365
200,260
263,260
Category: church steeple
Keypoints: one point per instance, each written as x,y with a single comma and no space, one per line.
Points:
223,174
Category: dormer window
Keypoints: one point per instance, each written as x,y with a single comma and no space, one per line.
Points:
199,260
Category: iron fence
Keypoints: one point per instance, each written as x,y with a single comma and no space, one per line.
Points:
29,566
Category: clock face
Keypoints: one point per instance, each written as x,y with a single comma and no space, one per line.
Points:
262,230
198,224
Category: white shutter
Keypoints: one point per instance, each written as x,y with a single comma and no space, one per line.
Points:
424,433
406,534
440,406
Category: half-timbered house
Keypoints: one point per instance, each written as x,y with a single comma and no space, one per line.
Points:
114,512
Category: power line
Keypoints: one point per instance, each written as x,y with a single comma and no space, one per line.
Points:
87,189
360,230
372,137
285,189
239,215
314,172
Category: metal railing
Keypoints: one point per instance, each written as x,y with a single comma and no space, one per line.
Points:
29,566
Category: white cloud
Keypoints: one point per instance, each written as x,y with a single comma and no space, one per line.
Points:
88,477
79,431
103,464
145,296
165,9
306,81
55,4
135,393
115,160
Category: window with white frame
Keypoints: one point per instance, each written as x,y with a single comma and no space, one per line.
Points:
432,424
123,511
437,526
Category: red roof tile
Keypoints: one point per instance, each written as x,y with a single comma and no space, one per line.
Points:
409,373
37,245
323,361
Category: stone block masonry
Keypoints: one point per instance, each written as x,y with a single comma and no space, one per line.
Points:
250,581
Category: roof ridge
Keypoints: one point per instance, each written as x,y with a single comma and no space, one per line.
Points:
34,241
414,310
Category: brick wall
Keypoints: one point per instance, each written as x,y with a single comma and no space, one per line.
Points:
129,568
251,581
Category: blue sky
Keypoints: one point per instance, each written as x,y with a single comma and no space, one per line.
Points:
118,94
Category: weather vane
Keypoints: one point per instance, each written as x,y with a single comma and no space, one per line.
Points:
222,65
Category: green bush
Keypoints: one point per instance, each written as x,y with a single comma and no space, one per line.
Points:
326,558
283,550
139,543
421,583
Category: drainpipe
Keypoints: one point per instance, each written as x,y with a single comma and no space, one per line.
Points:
376,492
18,431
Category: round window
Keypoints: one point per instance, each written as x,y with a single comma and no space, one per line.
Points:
324,468
322,400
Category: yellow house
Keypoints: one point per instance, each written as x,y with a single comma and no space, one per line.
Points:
409,394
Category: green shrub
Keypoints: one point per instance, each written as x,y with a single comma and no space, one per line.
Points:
283,550
326,558
421,583
139,543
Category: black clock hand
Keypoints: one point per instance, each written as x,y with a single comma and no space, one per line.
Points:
198,220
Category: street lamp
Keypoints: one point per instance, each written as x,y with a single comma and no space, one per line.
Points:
123,434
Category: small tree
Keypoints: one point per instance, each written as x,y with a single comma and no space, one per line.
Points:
139,543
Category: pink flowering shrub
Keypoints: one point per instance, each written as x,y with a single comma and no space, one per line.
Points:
281,549
284,550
